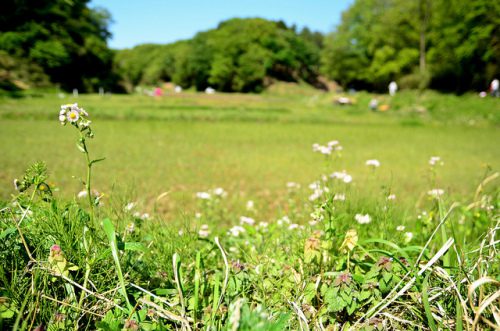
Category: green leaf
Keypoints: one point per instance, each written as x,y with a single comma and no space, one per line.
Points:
134,246
97,160
352,307
109,229
6,232
335,302
427,307
363,295
6,312
387,277
79,146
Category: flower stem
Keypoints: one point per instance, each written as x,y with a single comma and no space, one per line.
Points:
91,204
89,175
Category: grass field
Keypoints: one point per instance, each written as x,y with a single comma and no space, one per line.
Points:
166,249
252,145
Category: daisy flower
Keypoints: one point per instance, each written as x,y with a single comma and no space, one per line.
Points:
73,116
363,219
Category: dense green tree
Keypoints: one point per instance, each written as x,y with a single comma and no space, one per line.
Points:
66,39
236,56
454,44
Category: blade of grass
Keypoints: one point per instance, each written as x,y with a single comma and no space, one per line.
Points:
197,279
427,307
109,229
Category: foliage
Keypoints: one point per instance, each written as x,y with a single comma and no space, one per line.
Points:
239,55
379,41
66,39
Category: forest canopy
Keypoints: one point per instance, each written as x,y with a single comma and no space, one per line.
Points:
54,41
240,55
447,45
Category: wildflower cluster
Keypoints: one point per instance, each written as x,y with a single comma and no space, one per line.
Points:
217,192
328,149
435,160
77,117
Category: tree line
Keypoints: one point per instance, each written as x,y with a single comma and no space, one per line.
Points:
449,45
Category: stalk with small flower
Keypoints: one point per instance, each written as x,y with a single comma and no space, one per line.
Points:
78,118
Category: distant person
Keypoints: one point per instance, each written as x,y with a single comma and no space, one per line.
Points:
393,87
209,90
178,89
158,92
494,88
373,104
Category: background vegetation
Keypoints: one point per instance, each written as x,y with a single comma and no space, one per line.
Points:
421,43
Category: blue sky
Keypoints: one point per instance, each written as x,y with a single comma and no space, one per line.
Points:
164,21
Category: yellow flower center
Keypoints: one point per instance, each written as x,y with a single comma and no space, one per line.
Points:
72,116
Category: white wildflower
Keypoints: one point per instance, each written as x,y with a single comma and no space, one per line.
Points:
145,216
391,197
130,227
263,225
247,220
333,143
250,205
341,176
283,220
363,219
204,231
236,230
72,116
314,186
129,206
292,186
203,195
339,197
435,193
435,160
233,249
373,163
325,150
82,194
220,192
293,226
316,195
315,147
62,119
400,228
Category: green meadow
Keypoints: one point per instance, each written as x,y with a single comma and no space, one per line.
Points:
197,226
252,145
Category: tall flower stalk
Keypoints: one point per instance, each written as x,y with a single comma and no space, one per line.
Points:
78,118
